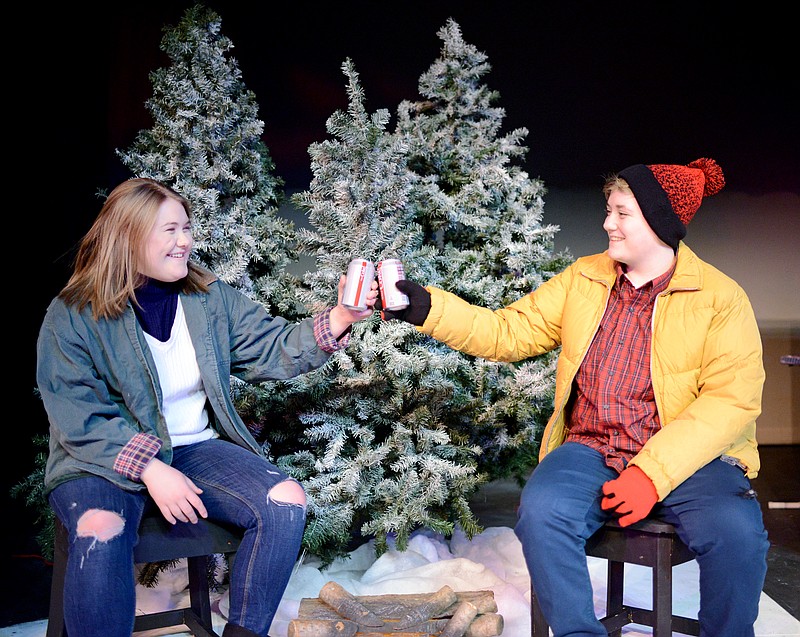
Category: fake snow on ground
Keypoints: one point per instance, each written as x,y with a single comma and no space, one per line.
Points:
492,561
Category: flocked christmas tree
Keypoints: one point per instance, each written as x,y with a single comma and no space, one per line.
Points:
375,456
484,214
401,430
205,142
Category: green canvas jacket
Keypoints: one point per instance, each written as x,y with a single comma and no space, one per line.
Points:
100,387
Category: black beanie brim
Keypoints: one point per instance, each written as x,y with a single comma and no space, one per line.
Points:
655,204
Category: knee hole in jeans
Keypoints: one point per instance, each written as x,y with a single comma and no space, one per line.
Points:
288,492
100,524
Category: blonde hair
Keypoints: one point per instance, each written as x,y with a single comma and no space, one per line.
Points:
107,265
613,183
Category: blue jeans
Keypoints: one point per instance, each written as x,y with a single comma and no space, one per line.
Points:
99,587
715,512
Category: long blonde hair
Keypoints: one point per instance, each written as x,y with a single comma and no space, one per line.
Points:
107,265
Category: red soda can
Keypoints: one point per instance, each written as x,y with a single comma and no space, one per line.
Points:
390,271
360,275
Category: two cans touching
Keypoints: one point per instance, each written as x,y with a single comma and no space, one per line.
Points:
361,274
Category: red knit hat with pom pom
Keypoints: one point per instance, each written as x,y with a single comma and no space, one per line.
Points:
670,195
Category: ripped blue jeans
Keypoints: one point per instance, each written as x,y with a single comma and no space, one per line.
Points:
99,588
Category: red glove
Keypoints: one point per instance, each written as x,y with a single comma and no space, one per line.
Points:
632,495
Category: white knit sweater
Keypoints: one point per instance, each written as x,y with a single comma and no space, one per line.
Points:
184,399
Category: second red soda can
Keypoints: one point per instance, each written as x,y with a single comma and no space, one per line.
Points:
390,271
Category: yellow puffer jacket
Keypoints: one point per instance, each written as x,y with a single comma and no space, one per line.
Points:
706,362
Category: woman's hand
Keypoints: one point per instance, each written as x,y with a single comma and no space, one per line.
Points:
342,317
176,495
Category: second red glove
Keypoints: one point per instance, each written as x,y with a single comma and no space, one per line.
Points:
632,495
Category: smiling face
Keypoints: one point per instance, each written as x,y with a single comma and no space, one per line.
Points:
630,239
167,248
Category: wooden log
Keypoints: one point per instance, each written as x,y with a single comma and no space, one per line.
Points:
411,632
483,600
429,627
388,633
393,608
487,625
346,605
457,625
396,606
434,605
322,628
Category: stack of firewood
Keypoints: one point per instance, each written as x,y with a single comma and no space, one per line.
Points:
445,613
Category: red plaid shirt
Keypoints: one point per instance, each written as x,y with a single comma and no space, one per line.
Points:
613,405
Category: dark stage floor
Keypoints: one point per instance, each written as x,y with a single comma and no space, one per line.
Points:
25,583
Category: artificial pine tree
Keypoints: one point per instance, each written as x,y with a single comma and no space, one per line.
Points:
400,430
484,215
31,489
374,455
205,142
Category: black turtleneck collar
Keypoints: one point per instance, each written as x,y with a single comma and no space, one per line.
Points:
157,304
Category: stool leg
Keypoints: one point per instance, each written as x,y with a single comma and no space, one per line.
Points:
198,588
55,619
614,592
662,588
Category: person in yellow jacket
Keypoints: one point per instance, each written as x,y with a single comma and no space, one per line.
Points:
658,388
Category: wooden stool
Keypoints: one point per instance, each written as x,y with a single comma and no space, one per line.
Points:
158,541
646,543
